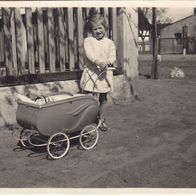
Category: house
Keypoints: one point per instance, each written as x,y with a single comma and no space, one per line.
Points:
179,37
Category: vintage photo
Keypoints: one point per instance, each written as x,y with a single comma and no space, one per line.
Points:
97,96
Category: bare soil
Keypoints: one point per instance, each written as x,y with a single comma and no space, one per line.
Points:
150,143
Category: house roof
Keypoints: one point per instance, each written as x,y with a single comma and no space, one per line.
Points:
181,20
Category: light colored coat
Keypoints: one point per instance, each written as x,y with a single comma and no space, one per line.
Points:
93,79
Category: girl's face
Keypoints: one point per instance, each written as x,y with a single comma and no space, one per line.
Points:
98,31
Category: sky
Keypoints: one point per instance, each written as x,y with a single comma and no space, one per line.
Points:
179,13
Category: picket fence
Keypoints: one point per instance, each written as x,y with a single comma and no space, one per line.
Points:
41,41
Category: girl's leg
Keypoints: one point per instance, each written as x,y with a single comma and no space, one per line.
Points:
102,101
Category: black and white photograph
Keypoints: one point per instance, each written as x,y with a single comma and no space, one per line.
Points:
97,96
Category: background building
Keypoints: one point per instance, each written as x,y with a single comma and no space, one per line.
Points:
179,37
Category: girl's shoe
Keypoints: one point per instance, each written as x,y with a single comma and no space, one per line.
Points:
103,126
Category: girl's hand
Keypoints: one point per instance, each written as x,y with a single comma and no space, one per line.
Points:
102,65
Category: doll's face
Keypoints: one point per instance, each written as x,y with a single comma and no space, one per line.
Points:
98,31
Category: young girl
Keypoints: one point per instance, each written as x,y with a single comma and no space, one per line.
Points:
100,53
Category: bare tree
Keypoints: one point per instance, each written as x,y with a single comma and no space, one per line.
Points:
161,16
145,21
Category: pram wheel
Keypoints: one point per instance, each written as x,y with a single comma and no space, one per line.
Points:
58,145
23,137
89,137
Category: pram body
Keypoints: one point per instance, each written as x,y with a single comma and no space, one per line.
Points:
68,115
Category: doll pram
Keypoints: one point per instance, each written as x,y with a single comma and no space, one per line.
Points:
54,118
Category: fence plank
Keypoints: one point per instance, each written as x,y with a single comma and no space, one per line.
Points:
8,41
61,39
1,40
114,28
46,45
75,30
51,36
41,54
14,55
106,16
1,46
71,39
19,42
114,25
121,38
34,21
66,38
80,38
30,42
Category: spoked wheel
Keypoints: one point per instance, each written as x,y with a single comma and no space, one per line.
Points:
26,136
89,137
23,137
58,145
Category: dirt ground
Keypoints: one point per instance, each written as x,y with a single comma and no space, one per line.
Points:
150,143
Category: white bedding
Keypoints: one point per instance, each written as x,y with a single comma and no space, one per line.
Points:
47,99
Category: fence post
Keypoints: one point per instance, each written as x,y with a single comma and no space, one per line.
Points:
184,37
51,45
41,55
173,49
127,47
30,43
159,45
154,71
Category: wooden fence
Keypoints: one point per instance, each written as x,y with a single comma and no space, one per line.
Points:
45,41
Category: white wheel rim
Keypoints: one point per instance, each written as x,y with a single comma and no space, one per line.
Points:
86,132
25,139
56,145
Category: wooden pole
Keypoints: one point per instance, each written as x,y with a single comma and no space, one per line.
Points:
154,71
184,39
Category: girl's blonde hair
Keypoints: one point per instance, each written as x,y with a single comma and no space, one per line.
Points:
94,18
